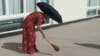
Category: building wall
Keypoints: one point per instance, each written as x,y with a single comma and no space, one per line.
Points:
13,11
71,9
77,9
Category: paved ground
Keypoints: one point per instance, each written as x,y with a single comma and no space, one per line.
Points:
76,39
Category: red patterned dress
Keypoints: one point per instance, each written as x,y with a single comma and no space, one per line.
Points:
29,36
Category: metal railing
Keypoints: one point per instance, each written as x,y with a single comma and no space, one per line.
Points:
11,23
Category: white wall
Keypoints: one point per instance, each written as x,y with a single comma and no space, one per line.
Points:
71,9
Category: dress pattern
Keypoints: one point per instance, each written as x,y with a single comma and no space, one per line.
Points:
29,36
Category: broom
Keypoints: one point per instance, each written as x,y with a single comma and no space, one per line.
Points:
55,47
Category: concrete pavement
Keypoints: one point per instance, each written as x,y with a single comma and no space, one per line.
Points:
76,39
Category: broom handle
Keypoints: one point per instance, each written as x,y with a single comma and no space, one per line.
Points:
48,40
44,36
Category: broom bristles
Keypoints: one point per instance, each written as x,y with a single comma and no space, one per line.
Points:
55,47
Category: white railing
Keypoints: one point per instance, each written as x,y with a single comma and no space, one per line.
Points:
9,17
15,16
10,31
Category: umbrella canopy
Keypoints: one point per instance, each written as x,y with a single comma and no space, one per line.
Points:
49,10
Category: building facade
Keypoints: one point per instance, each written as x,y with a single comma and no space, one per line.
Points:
12,12
77,9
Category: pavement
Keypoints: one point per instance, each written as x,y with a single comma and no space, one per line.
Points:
75,39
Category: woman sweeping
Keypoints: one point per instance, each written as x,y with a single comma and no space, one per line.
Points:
36,19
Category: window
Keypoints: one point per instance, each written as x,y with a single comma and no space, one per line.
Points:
99,11
12,24
92,3
98,2
91,12
93,8
99,7
2,7
47,1
30,5
15,6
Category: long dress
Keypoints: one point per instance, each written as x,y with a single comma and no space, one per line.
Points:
29,36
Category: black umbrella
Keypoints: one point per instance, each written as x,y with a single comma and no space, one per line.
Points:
49,10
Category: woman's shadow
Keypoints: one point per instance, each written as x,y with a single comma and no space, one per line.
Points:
17,47
13,46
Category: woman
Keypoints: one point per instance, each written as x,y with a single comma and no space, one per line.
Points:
29,36
36,19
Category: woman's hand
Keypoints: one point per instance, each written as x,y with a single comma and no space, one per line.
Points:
41,31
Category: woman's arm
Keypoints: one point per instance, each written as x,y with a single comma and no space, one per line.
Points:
41,31
56,48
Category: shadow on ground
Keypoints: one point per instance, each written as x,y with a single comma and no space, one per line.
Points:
12,46
89,45
17,48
